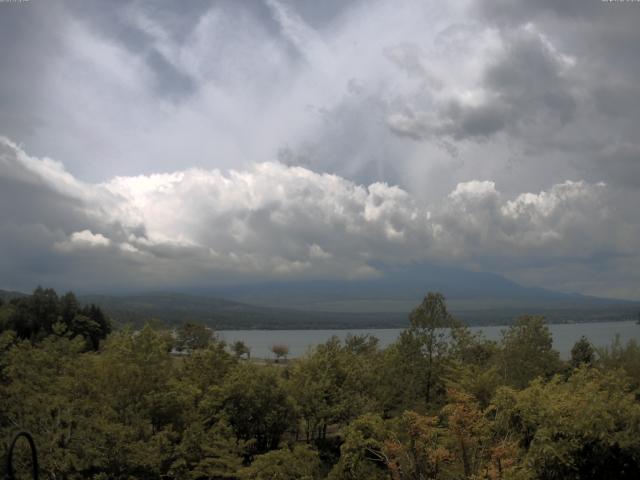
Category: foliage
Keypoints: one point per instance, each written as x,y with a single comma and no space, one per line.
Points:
300,463
429,324
584,427
280,351
527,352
207,453
468,430
193,336
623,357
439,403
257,406
582,353
43,313
417,451
362,454
240,349
329,384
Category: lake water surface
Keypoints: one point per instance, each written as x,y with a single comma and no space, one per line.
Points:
300,341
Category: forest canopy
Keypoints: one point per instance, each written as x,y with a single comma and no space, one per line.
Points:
439,403
34,317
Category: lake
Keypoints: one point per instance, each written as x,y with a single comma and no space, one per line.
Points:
300,341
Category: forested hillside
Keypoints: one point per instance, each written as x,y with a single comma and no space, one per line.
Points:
172,309
440,403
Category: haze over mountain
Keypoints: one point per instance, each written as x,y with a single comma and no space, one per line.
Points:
478,298
401,289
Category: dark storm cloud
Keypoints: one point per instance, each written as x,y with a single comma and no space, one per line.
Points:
603,38
562,86
481,121
529,80
529,94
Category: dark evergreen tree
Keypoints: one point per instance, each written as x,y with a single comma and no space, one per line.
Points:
582,353
44,313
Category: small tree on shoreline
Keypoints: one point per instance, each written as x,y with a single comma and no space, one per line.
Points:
240,348
280,351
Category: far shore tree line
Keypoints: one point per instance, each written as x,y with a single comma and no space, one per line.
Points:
193,336
440,402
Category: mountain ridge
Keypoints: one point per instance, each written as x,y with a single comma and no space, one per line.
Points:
478,298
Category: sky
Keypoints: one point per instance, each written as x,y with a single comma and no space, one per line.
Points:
162,144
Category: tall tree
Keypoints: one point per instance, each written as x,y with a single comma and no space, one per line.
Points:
429,323
527,351
582,353
257,406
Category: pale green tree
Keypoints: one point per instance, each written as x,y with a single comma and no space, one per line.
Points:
527,352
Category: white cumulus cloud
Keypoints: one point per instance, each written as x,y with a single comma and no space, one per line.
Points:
271,221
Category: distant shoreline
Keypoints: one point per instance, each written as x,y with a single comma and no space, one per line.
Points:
347,328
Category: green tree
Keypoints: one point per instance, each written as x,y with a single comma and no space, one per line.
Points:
240,349
41,314
193,336
332,385
365,345
256,405
402,373
135,379
207,453
299,463
527,352
585,427
100,326
472,365
362,454
205,370
412,370
625,357
582,353
429,324
43,306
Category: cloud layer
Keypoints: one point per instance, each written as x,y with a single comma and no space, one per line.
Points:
270,221
428,91
319,139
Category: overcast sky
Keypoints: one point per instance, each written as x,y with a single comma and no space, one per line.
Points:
163,144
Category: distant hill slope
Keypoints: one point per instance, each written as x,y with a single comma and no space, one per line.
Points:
478,298
174,309
402,289
7,295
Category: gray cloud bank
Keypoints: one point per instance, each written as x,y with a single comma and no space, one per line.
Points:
403,132
520,92
271,221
